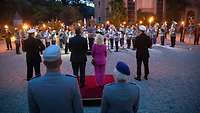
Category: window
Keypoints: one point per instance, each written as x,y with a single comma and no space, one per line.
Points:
99,3
99,19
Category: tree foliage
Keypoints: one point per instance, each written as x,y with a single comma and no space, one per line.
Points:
118,12
36,11
176,8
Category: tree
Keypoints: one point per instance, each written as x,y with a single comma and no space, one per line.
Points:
175,8
118,12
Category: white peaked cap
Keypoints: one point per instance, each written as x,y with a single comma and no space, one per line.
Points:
52,53
142,28
31,31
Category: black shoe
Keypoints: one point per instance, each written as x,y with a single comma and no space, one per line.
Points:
136,78
145,77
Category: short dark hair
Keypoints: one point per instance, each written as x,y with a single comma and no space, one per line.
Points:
53,64
78,30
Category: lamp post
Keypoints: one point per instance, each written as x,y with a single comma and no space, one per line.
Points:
44,26
140,21
151,19
6,27
25,26
107,22
182,23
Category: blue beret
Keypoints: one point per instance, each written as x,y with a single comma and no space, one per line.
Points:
123,68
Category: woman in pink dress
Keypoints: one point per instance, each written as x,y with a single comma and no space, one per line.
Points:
99,54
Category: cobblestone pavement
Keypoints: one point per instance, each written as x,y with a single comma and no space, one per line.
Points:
173,86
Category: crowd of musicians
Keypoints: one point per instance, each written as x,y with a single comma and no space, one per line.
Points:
122,36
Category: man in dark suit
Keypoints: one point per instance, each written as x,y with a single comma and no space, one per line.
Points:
33,47
78,47
143,42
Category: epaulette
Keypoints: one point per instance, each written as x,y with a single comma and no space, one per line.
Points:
132,83
71,76
109,84
35,77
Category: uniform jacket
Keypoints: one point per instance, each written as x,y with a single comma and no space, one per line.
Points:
33,47
99,53
54,93
78,47
120,98
142,43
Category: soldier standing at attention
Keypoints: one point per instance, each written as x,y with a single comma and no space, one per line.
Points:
8,40
143,42
33,47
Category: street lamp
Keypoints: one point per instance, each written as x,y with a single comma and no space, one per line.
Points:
25,26
108,22
124,22
79,24
151,19
44,25
165,23
182,23
62,25
6,27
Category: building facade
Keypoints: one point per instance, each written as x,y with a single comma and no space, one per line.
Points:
156,7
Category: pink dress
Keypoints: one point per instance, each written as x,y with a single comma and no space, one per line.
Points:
99,54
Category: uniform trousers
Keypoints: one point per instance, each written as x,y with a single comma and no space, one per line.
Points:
121,42
162,39
99,74
128,41
8,44
145,61
116,46
111,43
133,42
91,42
17,44
30,66
173,41
61,43
66,47
196,40
79,66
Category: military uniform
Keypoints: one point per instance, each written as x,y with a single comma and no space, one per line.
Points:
17,42
111,37
129,35
143,42
120,98
54,93
33,47
173,35
117,39
8,40
61,37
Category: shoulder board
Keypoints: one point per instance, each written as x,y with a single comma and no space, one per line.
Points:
132,83
110,84
71,76
35,77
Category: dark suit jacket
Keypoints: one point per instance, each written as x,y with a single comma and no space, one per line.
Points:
143,42
33,47
78,47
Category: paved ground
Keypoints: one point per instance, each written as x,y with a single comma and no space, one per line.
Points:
173,86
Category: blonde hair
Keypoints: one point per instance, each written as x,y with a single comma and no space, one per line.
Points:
99,39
